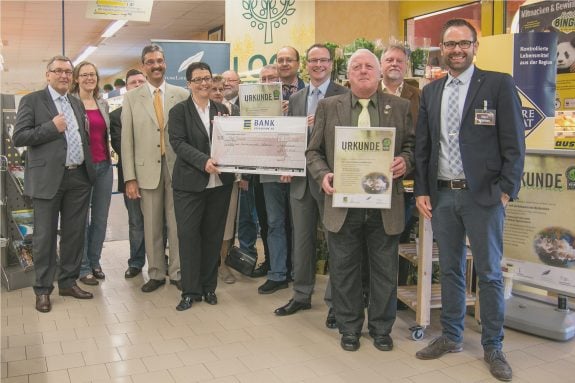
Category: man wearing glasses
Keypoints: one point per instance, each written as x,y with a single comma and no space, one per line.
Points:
148,161
287,60
58,178
469,156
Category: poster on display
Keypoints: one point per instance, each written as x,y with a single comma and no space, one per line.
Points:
362,159
258,99
531,62
179,54
258,29
539,234
558,17
140,10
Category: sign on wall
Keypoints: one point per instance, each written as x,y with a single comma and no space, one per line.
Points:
140,10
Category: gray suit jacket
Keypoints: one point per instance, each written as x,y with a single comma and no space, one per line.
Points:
298,107
47,148
141,155
336,111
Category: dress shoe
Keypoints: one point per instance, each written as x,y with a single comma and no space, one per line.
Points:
438,347
98,273
43,303
75,292
498,365
178,284
383,342
330,321
185,303
270,287
131,272
153,284
89,280
350,342
211,298
261,270
292,307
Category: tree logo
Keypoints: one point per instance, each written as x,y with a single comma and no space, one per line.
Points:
268,15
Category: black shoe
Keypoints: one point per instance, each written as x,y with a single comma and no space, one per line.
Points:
261,270
350,342
131,272
330,321
178,284
383,342
43,303
270,287
153,284
292,307
98,273
185,303
211,298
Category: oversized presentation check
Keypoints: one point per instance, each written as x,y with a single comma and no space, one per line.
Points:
260,145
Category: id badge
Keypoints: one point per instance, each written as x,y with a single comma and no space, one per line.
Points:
485,117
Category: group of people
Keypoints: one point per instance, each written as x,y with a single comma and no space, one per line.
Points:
466,170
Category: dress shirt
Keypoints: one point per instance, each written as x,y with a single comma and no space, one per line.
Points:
205,116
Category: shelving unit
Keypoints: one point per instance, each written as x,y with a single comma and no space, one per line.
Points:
426,296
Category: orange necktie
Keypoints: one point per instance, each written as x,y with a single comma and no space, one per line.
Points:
160,116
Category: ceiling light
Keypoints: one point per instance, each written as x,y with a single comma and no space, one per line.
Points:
84,55
113,28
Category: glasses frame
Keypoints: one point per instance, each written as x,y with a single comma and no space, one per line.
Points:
322,60
199,80
459,43
88,75
60,72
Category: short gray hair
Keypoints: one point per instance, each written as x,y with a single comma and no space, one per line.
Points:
59,58
364,51
398,47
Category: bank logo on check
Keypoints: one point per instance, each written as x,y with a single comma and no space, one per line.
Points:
247,124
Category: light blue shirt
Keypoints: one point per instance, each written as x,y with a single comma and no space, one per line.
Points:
322,91
70,130
443,167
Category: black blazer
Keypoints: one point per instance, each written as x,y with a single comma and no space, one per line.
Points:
492,156
192,145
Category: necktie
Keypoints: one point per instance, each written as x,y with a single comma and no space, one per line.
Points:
363,119
160,116
453,125
75,155
313,100
228,105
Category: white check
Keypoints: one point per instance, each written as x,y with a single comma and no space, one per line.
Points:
260,145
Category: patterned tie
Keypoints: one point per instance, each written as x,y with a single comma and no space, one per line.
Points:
160,116
312,105
453,125
75,155
363,119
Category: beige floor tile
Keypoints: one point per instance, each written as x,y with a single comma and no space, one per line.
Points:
261,376
123,379
71,324
136,351
3,369
162,362
125,367
225,367
466,373
325,366
16,379
363,375
202,341
144,336
260,361
113,341
153,377
45,349
191,373
123,328
60,376
101,356
59,336
24,340
79,345
293,372
175,332
131,316
13,354
88,373
30,328
229,351
225,379
24,367
169,346
561,368
195,356
16,329
435,377
97,331
65,361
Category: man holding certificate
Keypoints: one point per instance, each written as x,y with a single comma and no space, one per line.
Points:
349,228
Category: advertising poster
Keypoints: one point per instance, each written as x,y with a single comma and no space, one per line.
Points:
531,62
261,99
361,175
180,54
539,234
258,29
140,10
558,17
260,145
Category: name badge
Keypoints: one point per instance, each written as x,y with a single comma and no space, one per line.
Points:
485,117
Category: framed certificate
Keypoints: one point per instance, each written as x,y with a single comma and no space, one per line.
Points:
261,99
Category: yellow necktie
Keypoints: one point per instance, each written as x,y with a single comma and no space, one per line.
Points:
160,116
363,119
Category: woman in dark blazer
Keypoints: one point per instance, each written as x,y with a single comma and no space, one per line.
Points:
201,193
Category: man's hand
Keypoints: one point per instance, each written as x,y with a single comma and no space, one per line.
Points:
285,179
310,120
423,204
398,167
505,199
211,167
132,190
285,106
244,185
327,184
60,123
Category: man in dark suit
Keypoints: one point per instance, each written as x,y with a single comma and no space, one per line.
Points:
469,160
137,260
58,178
306,199
350,229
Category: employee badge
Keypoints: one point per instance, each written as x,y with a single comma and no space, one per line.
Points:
485,116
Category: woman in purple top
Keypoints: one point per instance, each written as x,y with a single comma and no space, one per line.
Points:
85,87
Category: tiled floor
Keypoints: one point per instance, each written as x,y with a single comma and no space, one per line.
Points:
124,335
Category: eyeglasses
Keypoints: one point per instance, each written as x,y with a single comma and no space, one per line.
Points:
463,44
88,75
286,60
231,80
269,79
199,80
60,72
152,62
220,90
318,61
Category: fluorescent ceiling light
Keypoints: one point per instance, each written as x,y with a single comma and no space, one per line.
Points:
84,55
113,28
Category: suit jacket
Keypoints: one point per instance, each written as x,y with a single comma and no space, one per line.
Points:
492,156
298,107
336,111
141,155
192,145
47,148
411,93
116,140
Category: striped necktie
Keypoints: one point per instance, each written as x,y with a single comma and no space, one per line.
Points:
453,125
75,155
